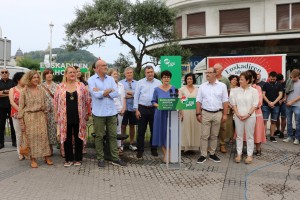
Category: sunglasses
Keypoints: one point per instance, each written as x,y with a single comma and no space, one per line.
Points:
130,86
4,72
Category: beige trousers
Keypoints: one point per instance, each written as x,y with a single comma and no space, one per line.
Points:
210,130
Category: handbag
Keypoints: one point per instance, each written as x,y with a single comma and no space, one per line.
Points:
24,149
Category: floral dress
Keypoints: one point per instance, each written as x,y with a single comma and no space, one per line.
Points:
52,130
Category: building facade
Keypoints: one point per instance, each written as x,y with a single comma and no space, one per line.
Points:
238,27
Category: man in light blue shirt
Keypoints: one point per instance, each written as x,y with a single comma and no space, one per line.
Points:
144,109
129,115
103,90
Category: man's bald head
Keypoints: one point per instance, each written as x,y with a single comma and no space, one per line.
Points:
218,67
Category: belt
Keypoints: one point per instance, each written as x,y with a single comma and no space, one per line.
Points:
146,106
212,111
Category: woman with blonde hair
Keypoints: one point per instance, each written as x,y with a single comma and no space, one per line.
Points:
33,118
71,113
120,103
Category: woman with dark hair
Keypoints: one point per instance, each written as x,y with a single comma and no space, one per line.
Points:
259,132
50,87
161,116
244,101
14,96
79,76
33,118
234,83
190,127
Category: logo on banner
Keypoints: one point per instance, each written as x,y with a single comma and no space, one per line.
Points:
168,63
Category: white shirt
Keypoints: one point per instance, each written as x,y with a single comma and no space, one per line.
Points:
244,100
212,96
119,101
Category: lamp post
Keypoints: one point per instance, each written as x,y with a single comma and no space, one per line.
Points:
50,46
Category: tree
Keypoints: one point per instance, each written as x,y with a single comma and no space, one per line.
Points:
29,63
148,21
122,62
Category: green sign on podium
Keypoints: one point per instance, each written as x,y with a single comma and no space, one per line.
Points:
176,104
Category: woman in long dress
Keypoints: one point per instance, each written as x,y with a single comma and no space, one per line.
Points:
260,131
50,87
190,127
33,118
161,116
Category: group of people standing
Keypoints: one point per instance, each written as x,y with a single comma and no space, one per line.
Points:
47,113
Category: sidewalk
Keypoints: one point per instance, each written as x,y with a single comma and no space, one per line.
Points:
145,179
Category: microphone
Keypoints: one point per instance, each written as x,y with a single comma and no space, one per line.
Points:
176,92
171,93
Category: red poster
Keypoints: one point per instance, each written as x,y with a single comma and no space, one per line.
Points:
261,63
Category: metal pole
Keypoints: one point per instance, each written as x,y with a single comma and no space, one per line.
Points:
50,45
5,46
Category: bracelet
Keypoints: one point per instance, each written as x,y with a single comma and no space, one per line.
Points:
198,114
249,114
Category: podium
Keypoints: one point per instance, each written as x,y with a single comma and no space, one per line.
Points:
173,146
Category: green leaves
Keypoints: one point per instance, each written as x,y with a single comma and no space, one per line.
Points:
148,20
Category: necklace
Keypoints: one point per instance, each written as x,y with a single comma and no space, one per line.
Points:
71,97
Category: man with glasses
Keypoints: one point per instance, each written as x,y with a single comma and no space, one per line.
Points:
144,109
129,115
5,107
211,111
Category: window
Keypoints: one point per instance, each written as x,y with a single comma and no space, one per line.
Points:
235,21
178,27
288,16
196,24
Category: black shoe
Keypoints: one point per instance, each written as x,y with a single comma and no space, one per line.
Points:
258,153
277,132
14,144
214,158
101,163
272,139
119,162
281,135
1,146
154,152
139,154
201,160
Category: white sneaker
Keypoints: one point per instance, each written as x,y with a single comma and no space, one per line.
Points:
288,139
296,141
132,147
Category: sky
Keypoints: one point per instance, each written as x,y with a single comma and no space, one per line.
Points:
26,24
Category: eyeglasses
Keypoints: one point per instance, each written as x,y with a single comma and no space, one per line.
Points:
166,77
210,72
130,86
4,72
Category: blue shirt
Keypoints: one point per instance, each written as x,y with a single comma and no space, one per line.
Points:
129,86
144,92
103,106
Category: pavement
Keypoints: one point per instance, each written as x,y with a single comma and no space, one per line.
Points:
274,175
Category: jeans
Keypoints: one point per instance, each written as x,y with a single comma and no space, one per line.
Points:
290,110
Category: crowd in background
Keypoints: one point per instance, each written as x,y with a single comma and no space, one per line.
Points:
42,115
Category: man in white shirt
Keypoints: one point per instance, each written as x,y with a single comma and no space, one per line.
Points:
211,111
